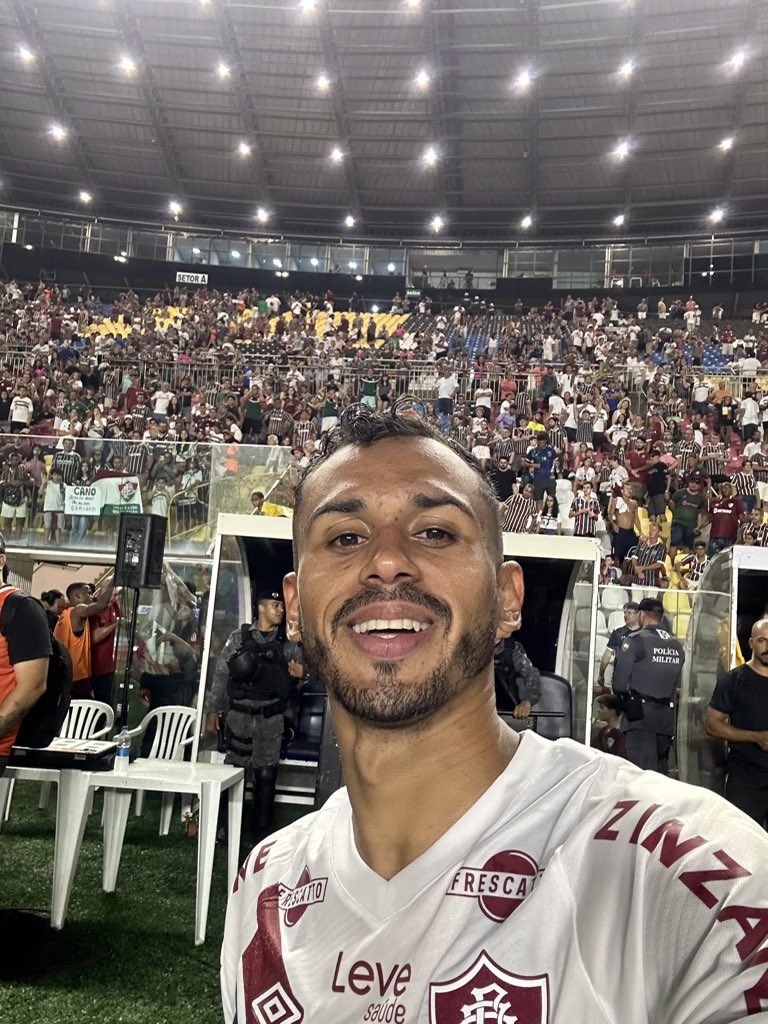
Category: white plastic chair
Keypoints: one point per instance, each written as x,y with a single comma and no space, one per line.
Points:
174,733
82,723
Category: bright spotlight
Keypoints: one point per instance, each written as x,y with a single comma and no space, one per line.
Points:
127,64
526,222
726,144
26,54
222,69
244,149
85,197
336,155
430,156
422,79
175,207
618,220
621,152
738,60
323,83
352,265
717,215
315,261
391,268
308,5
374,309
195,251
523,80
349,220
120,259
358,277
57,132
413,3
262,215
437,224
277,262
235,254
626,69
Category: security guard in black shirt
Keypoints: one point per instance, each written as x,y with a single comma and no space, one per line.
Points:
645,678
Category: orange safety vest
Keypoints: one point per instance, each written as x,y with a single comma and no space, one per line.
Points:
7,679
79,647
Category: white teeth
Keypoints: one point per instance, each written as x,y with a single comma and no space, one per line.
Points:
389,625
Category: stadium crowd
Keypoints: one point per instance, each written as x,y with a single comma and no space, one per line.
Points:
648,428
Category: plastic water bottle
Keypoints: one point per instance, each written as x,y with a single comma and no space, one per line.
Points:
123,754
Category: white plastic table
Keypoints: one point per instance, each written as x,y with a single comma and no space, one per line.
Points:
206,781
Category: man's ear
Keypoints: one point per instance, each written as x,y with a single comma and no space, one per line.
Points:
510,589
291,595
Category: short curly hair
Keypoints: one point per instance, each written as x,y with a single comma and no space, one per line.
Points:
361,427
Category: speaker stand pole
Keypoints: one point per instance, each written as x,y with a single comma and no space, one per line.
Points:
122,707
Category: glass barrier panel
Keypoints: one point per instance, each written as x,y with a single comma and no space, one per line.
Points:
67,492
577,646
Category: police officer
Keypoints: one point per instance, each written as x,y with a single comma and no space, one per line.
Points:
518,681
254,681
645,677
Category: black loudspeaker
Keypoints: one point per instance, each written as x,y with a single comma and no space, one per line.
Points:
140,548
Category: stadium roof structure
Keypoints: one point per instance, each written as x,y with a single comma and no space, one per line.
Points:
505,119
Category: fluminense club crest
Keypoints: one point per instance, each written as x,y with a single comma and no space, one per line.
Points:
487,994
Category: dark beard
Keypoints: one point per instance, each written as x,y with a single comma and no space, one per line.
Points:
386,703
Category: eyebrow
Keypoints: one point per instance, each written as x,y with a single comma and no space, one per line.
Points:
420,501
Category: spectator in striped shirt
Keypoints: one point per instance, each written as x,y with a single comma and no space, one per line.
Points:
303,430
691,567
745,485
279,422
519,511
687,453
585,510
648,562
712,461
760,467
67,461
754,531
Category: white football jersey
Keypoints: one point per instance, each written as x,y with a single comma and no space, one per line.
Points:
577,890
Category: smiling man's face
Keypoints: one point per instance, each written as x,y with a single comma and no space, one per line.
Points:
398,591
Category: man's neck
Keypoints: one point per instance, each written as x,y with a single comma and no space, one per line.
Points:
408,787
757,667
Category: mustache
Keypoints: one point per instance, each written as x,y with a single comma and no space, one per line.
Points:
403,592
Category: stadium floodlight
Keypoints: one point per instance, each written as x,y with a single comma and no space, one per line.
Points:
391,268
626,69
308,5
349,221
235,254
195,251
437,223
738,60
526,222
352,265
422,78
85,197
323,83
175,207
717,215
58,132
621,152
120,258
374,309
726,143
523,80
222,69
26,54
430,156
315,262
618,220
127,64
413,3
244,149
358,277
262,215
336,155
